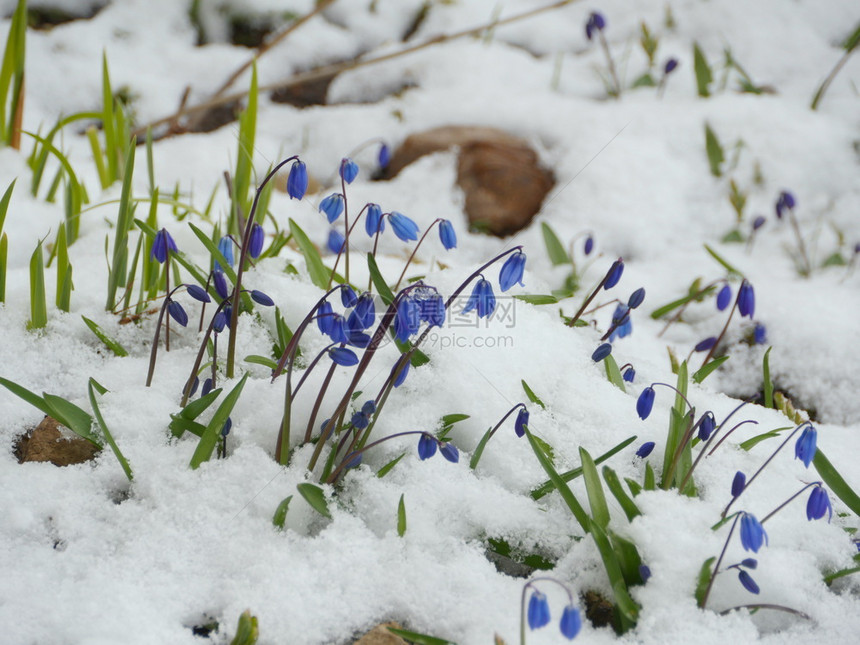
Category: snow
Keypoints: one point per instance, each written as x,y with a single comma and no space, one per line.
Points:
88,557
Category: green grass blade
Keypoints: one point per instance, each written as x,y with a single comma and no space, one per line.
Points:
74,418
613,373
382,287
627,610
4,203
703,372
694,295
703,581
560,484
38,299
714,150
479,449
315,496
4,254
531,395
111,344
704,78
124,221
401,517
549,486
98,158
594,489
317,271
30,397
207,442
613,483
108,124
554,248
418,639
389,466
279,519
64,271
835,482
768,384
728,267
107,433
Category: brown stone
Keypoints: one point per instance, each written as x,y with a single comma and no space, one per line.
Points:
380,635
46,442
499,173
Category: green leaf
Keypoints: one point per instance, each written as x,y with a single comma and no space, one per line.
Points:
703,71
628,610
124,221
4,254
280,516
418,639
382,287
703,580
596,496
30,397
93,385
479,449
634,486
716,156
207,442
317,271
532,396
454,417
839,574
265,361
536,299
315,496
728,267
387,467
650,480
705,370
733,237
853,40
247,631
4,203
38,297
834,481
646,80
401,517
546,448
111,344
695,294
560,484
71,416
198,406
614,485
613,373
768,384
554,248
215,252
749,443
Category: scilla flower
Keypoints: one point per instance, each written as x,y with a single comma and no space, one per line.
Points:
482,299
297,182
335,241
162,246
447,234
225,247
512,271
521,422
373,222
403,227
332,206
348,170
746,300
818,504
538,611
255,244
805,447
645,402
753,534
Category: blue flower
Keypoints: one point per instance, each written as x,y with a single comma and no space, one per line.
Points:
596,22
758,222
645,402
432,308
512,271
325,317
588,247
364,310
621,324
707,426
747,581
332,206
343,356
347,296
760,334
219,321
785,202
373,220
724,297
225,429
369,408
447,234
261,298
225,247
601,352
348,170
449,451
403,227
753,534
804,449
482,299
749,563
207,387
629,374
408,318
220,284
670,66
538,611
746,299
162,246
738,483
571,622
522,422
636,298
384,157
338,331
706,344
361,420
401,375
818,504
426,447
614,274
645,449
177,312
297,182
644,572
198,293
335,241
255,244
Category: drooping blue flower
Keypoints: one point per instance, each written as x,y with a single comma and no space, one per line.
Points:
407,319
225,248
364,310
746,300
596,22
747,581
219,321
738,483
601,352
670,66
325,317
432,308
360,420
621,322
636,298
707,426
162,245
753,534
261,298
207,387
198,293
177,312
447,234
194,386
348,170
512,271
401,375
805,447
347,296
449,451
724,297
784,203
645,402
706,344
749,563
403,227
644,572
758,222
538,611
645,449
384,157
373,221
255,244
629,374
426,447
228,314
588,247
369,408
482,299
338,332
335,241
332,207
343,356
220,284
760,334
225,429
521,422
358,339
297,182
570,623
614,274
818,504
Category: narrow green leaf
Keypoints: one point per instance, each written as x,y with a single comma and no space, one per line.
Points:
317,271
401,517
835,482
479,449
536,299
531,395
64,271
547,449
418,639
634,486
280,517
207,442
703,372
703,71
703,580
199,406
387,467
108,123
749,443
560,484
217,256
124,221
111,344
594,489
728,267
714,150
614,485
30,397
4,203
650,481
382,287
628,610
261,360
839,574
554,248
315,496
71,416
613,373
247,631
694,295
628,558
4,254
107,433
768,384
38,298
